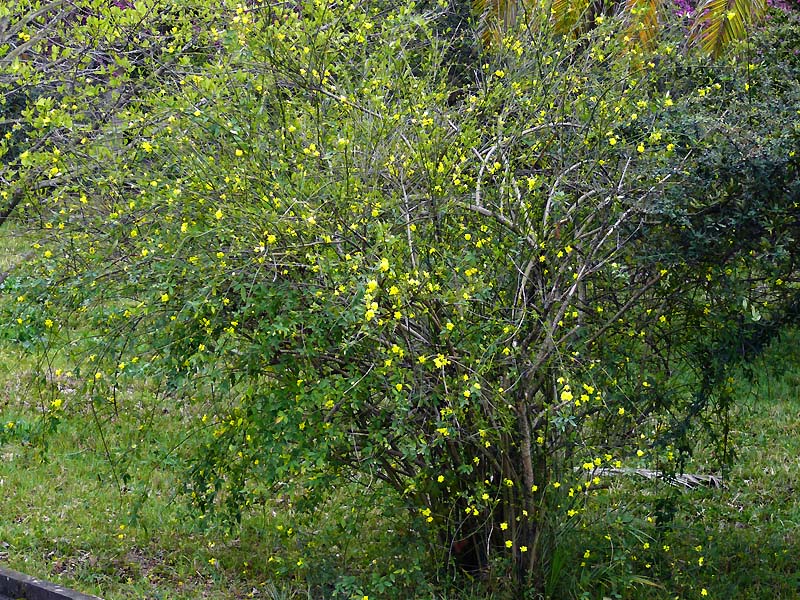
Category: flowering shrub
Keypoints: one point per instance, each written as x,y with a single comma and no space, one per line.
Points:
346,267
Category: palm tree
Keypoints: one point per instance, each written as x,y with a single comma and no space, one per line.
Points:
715,23
720,22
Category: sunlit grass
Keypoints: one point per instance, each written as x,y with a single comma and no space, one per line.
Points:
738,541
67,510
97,503
15,244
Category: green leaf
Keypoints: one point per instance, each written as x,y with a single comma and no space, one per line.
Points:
720,22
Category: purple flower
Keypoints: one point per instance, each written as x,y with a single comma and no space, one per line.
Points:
683,8
781,4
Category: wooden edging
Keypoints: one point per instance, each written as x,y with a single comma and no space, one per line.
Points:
19,586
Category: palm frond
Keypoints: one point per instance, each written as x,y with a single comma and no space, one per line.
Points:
496,17
643,20
720,22
644,580
685,480
568,15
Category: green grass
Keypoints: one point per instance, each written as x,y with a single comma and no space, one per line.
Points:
66,514
71,506
63,513
745,533
14,244
104,513
755,521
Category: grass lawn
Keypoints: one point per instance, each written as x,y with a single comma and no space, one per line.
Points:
94,504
